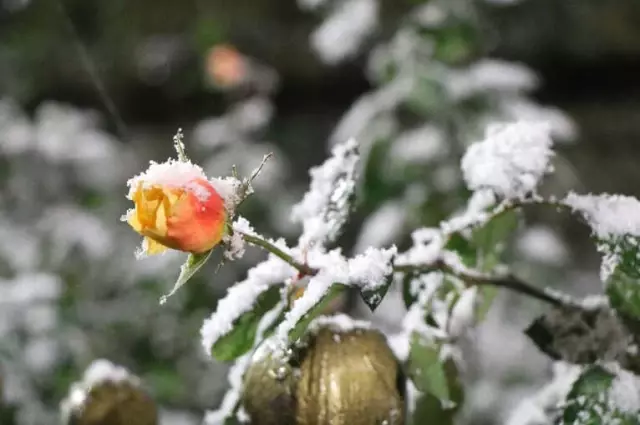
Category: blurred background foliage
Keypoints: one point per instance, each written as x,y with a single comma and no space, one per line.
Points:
91,90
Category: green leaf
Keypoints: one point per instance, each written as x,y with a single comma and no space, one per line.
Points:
187,270
487,294
464,247
407,295
242,336
429,410
623,284
433,376
299,329
373,298
491,239
589,401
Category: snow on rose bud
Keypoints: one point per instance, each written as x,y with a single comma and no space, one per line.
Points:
177,207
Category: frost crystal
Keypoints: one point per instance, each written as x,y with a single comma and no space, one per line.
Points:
511,159
324,208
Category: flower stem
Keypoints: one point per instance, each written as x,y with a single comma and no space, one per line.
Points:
268,246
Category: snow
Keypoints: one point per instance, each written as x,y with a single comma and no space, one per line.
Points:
171,173
463,313
624,392
345,30
535,410
490,75
324,208
232,397
419,145
98,372
338,323
241,298
540,243
511,160
371,269
227,188
560,124
428,244
236,373
609,216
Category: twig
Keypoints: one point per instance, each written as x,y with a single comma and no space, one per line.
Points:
268,246
509,281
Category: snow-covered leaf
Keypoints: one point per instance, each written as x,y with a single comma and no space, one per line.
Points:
615,223
301,325
584,336
491,238
600,397
623,283
372,272
324,209
373,297
434,373
241,337
189,268
428,409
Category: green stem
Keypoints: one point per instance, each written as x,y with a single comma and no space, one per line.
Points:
268,246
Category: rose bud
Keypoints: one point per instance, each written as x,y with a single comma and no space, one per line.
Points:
177,207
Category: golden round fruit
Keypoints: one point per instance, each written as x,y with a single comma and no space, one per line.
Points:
115,403
349,378
268,392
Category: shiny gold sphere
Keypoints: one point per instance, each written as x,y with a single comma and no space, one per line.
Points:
115,403
340,378
268,395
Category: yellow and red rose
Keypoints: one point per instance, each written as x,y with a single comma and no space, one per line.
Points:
177,207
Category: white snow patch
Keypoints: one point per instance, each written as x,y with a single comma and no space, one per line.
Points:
343,32
171,173
338,323
98,372
463,313
610,216
419,145
490,75
371,269
511,159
